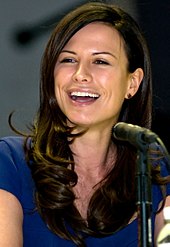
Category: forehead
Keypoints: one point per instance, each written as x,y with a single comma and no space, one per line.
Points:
97,33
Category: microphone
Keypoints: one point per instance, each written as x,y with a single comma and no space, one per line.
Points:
134,134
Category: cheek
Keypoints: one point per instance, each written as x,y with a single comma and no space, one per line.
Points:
106,81
59,80
62,78
56,86
116,90
60,88
64,71
57,90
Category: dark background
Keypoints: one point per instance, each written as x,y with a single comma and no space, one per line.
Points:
154,17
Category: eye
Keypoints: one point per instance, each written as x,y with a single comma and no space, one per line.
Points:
101,61
68,60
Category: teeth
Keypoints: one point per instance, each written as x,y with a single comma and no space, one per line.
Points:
85,94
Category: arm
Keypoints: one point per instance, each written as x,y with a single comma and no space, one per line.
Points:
11,218
159,220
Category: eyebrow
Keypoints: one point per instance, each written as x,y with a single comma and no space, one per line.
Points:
94,54
104,52
72,52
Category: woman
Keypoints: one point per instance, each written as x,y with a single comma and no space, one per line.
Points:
71,183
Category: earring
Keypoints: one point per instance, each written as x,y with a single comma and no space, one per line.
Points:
129,96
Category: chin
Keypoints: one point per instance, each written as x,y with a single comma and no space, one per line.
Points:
80,122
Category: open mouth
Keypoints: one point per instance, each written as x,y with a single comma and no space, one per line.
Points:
84,97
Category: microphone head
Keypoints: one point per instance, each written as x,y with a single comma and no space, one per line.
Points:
133,133
121,130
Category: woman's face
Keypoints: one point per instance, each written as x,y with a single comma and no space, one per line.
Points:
91,77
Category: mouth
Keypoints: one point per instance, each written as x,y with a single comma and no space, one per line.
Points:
84,97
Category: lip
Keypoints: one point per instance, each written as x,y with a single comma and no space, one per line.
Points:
90,91
83,97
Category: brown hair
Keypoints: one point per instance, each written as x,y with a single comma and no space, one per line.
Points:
50,151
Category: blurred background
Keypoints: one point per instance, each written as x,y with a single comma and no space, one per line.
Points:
24,30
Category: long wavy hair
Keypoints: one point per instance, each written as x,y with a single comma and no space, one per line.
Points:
52,163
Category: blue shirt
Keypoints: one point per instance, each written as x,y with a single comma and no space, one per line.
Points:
15,177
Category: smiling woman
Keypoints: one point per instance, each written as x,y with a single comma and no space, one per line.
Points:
70,182
97,66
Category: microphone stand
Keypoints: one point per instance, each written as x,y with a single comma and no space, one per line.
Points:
141,138
144,201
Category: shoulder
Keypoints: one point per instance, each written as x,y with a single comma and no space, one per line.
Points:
12,143
157,194
15,175
12,150
12,153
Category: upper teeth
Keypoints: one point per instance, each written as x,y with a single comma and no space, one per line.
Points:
85,94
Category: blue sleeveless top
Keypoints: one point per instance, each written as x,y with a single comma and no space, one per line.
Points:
15,177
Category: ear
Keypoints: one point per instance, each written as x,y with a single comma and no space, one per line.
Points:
135,79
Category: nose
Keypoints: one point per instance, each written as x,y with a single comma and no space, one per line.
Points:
82,74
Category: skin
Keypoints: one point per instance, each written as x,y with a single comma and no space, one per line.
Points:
11,218
96,64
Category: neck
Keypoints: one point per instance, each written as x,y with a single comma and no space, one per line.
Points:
94,155
93,151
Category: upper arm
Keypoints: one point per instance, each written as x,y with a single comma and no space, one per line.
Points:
11,218
159,220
